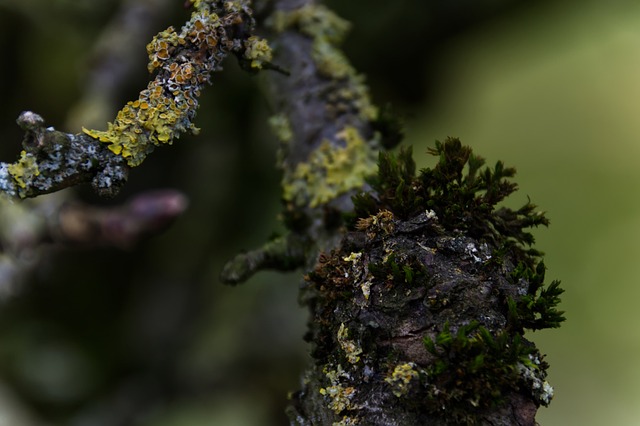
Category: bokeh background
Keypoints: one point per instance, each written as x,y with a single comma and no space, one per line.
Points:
149,336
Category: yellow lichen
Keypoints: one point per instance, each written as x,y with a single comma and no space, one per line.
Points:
340,396
257,51
331,170
366,289
353,257
327,31
161,47
346,421
401,377
350,348
316,21
331,62
153,119
166,108
24,170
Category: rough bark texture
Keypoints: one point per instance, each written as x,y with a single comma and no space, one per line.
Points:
318,103
325,122
414,321
368,330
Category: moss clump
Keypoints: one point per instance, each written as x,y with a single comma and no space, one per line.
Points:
463,194
398,268
537,309
474,369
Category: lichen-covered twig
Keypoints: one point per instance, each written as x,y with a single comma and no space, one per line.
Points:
183,62
28,228
115,57
420,300
325,121
52,160
284,253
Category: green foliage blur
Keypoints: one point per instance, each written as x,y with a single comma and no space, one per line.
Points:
150,337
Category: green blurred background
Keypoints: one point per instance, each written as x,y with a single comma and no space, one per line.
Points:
150,337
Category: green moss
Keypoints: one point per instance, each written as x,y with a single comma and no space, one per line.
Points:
398,268
330,170
474,369
462,193
464,196
538,308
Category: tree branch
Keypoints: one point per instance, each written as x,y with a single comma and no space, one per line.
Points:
114,59
53,160
325,121
418,312
29,227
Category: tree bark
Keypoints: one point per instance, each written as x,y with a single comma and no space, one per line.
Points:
415,319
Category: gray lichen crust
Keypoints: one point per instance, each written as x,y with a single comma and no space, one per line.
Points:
52,160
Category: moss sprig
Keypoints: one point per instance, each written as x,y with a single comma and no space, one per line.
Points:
538,308
398,269
474,369
462,193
